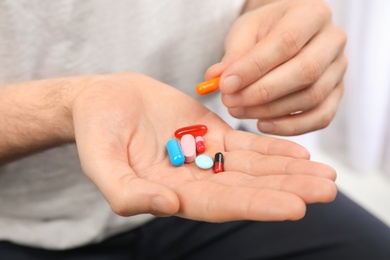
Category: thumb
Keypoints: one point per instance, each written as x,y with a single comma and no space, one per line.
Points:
128,194
217,69
106,165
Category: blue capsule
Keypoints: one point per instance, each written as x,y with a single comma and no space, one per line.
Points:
175,152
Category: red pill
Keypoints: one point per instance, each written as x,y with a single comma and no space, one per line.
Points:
218,163
194,130
200,148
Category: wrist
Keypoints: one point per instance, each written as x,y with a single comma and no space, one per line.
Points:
35,116
69,89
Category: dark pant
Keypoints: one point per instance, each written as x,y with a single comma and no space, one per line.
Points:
338,230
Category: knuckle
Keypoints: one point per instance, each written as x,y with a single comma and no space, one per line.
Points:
263,94
289,43
293,131
345,61
341,88
311,71
321,9
238,112
258,66
267,110
324,10
315,95
342,35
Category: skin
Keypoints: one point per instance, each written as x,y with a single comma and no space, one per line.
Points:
121,146
284,65
121,127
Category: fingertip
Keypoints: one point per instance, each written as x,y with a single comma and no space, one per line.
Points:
334,174
230,84
142,196
237,112
265,126
293,208
321,190
331,173
302,153
217,69
214,71
167,204
326,192
298,211
331,191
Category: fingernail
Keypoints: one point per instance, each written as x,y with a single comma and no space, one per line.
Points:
237,112
266,126
232,100
231,84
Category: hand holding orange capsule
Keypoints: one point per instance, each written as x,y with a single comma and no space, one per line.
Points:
208,87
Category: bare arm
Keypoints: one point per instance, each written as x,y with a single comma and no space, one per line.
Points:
35,116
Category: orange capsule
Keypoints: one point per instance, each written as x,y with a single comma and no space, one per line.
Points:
207,87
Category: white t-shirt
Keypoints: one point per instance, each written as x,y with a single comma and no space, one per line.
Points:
45,199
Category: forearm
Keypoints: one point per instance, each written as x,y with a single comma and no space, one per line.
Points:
35,116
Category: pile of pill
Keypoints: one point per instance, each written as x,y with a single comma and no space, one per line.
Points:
190,148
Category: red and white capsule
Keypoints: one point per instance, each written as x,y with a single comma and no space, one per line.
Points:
200,147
